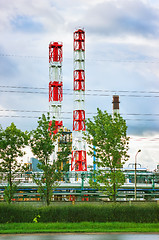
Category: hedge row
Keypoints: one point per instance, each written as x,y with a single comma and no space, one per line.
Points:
80,213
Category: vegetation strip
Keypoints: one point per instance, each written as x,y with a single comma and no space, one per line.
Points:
10,228
142,213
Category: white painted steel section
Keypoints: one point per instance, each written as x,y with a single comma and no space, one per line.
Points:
55,73
79,100
55,111
115,111
77,141
79,60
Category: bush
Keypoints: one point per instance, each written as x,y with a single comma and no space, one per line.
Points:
80,213
16,213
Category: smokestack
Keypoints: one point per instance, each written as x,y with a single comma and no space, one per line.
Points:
79,161
115,104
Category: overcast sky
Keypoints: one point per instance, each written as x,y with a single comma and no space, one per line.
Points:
122,46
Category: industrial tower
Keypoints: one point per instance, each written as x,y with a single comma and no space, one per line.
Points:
115,104
78,161
55,84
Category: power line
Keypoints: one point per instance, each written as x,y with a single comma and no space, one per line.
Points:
140,114
21,56
87,59
88,90
150,139
22,87
16,116
30,111
87,94
123,91
23,116
13,91
141,119
70,112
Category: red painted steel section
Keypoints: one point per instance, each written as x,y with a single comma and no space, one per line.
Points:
79,40
79,80
55,91
79,120
78,162
58,125
55,52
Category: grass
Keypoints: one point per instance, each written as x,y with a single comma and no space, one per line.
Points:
82,227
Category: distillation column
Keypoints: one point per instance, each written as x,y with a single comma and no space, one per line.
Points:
78,161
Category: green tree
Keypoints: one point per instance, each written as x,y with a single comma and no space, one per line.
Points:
64,153
12,142
107,136
43,146
64,149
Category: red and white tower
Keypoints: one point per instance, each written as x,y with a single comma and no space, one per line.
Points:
55,84
78,161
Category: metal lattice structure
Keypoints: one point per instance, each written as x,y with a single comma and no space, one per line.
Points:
78,161
56,83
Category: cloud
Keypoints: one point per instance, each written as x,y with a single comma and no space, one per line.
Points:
26,24
116,31
5,62
148,158
29,16
122,18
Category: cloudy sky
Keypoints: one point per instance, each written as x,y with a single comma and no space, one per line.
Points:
122,58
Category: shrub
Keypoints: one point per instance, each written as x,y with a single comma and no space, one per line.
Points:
16,213
80,213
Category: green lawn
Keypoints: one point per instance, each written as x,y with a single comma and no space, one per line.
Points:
78,227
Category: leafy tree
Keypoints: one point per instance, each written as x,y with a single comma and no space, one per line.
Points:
64,153
43,146
64,149
107,135
12,142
